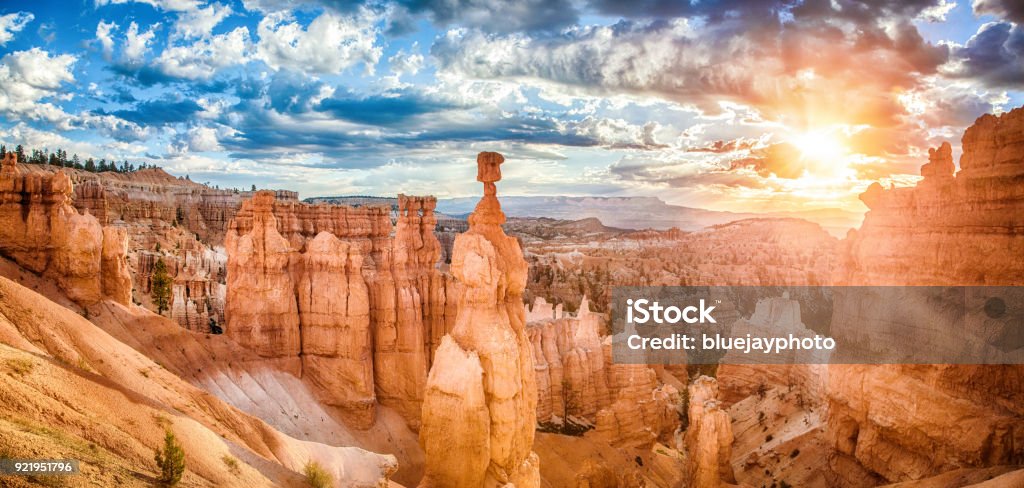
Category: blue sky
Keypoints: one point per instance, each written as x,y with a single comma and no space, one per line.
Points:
735,105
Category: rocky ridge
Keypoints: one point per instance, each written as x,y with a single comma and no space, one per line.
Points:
955,230
43,232
309,285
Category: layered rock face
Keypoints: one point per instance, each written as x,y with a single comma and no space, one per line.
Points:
152,194
169,218
410,310
41,231
198,288
479,410
751,252
911,421
806,371
709,437
642,408
310,285
569,364
579,386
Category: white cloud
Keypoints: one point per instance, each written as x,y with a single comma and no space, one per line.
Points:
203,58
28,77
617,133
29,137
200,22
402,63
113,126
13,23
200,139
104,31
937,12
330,44
137,44
167,5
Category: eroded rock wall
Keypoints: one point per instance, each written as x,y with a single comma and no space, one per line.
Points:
41,231
358,305
709,437
569,363
912,421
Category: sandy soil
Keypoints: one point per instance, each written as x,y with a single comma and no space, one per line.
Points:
71,389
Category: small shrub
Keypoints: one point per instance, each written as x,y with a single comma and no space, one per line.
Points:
170,461
317,476
231,463
769,438
20,366
795,453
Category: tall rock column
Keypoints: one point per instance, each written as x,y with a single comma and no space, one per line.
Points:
334,315
709,438
480,405
262,312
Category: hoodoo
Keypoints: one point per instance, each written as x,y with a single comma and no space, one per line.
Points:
480,405
41,231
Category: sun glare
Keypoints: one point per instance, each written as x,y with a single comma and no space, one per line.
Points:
821,147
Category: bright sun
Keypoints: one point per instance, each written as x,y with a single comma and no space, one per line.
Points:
820,147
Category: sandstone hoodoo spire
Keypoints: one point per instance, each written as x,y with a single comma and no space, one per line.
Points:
480,405
41,231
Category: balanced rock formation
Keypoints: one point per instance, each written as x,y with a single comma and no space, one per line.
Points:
41,231
479,409
906,422
310,285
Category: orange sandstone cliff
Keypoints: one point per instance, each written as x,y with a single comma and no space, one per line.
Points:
41,231
332,296
906,422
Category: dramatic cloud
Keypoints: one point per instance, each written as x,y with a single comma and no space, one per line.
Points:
499,15
781,159
331,43
709,103
29,77
994,55
11,24
1012,10
781,68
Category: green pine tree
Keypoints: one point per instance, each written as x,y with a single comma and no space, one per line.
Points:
160,287
170,461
